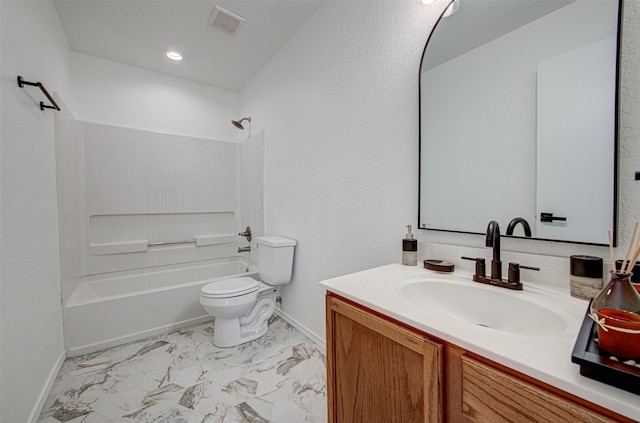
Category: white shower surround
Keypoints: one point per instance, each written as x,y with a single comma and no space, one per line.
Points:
148,218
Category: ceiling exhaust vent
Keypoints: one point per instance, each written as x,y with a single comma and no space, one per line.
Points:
227,21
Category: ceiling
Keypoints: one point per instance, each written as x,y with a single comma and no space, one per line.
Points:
139,32
482,21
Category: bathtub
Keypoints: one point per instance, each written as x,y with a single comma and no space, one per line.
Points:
114,308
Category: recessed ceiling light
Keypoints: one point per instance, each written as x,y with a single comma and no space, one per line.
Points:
426,1
174,55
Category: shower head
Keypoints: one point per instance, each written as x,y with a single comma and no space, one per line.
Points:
238,123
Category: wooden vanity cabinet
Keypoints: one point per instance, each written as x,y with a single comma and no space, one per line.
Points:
492,395
380,370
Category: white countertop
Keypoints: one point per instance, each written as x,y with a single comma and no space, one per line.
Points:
546,358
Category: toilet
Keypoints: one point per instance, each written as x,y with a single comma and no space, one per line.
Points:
242,306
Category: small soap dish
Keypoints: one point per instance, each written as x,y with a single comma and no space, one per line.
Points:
439,265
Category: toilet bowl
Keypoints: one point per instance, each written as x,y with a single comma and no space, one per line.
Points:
242,306
242,315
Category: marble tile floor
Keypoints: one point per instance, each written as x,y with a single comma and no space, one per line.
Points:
181,377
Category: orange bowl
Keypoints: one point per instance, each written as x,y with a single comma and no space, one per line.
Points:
615,342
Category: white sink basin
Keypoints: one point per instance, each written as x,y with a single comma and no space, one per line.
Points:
519,312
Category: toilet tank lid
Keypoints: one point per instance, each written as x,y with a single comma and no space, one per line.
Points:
275,241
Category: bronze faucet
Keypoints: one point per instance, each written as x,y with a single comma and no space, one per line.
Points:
493,240
525,226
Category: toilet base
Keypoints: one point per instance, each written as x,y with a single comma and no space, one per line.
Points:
232,331
227,333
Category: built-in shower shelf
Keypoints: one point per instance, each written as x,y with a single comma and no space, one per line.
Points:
204,240
140,246
119,247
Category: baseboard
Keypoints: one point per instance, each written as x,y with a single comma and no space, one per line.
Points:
304,330
46,389
136,336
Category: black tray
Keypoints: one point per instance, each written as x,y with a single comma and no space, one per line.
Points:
597,365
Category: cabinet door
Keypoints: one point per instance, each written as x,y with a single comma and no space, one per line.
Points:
378,370
490,395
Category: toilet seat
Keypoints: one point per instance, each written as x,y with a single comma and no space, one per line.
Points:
227,288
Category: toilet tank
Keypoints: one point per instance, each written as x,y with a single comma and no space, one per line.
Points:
275,259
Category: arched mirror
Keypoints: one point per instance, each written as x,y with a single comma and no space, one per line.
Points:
518,119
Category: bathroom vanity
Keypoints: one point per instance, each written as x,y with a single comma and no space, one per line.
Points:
405,344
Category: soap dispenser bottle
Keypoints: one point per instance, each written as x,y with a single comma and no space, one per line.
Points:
409,249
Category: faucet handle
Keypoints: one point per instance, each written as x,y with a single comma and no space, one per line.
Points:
246,233
514,272
480,265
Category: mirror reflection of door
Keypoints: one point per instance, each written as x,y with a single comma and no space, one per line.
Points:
575,158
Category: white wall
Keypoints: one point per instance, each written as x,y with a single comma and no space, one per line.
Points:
340,102
339,105
33,45
115,94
